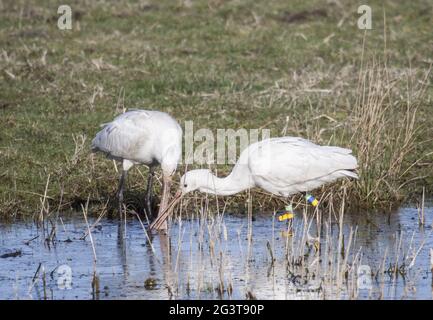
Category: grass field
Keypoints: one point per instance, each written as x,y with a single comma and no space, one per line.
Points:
299,68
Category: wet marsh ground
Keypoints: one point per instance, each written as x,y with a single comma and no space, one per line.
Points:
221,257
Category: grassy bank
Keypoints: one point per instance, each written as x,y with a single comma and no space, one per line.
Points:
301,69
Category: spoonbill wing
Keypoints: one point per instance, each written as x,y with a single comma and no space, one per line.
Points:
288,165
124,136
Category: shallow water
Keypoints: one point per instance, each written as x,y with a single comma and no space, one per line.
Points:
212,258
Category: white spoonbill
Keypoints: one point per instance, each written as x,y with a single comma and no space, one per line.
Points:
143,137
282,166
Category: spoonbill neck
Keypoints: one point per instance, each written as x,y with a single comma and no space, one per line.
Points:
226,186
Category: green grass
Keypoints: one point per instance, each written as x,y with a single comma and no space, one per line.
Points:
223,64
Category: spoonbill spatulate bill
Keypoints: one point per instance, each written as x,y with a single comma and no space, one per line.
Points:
144,137
282,166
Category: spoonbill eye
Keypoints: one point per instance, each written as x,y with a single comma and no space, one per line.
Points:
185,185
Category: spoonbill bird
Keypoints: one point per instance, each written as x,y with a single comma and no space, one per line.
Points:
282,166
142,137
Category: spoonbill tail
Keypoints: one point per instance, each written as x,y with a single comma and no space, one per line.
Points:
282,166
142,137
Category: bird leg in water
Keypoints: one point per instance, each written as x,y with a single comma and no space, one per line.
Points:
287,214
149,192
120,191
310,199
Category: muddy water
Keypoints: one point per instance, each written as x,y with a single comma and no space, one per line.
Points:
214,258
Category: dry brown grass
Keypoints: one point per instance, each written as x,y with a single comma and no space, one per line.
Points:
385,131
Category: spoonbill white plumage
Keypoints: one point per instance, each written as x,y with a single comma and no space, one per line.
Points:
282,166
142,137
